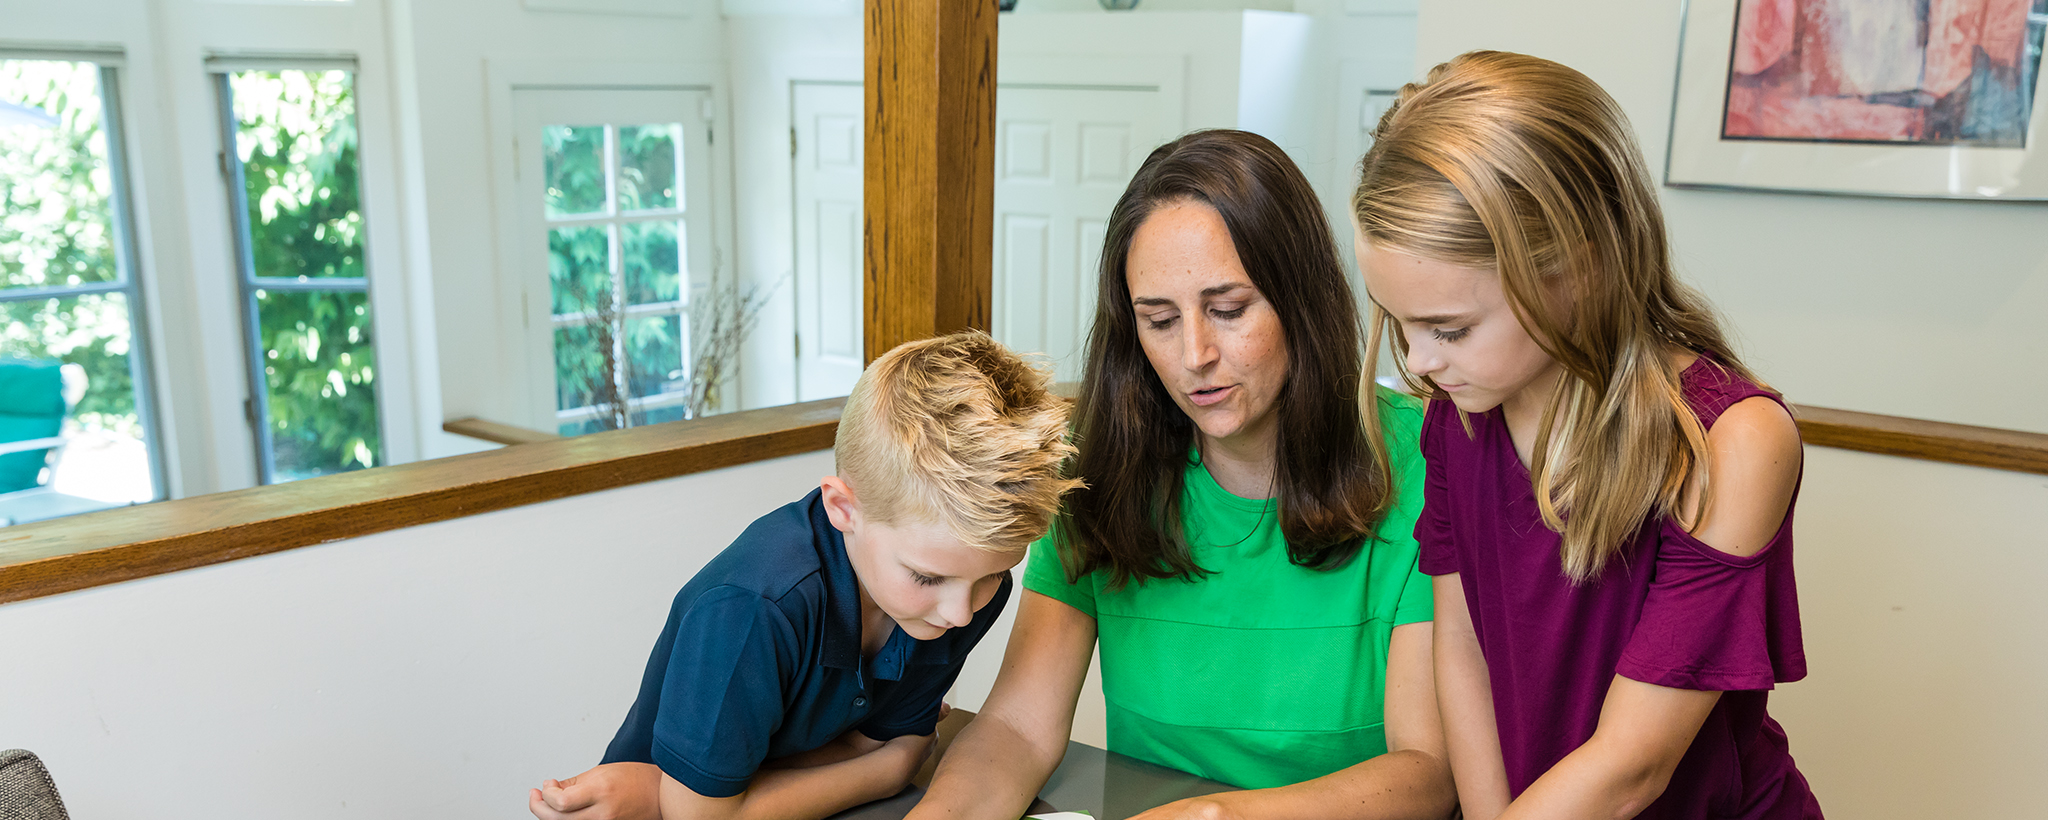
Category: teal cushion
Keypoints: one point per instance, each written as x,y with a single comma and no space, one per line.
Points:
31,407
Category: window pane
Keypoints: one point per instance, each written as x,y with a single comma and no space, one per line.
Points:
105,457
56,224
579,267
295,132
574,168
579,366
321,382
652,254
654,355
647,166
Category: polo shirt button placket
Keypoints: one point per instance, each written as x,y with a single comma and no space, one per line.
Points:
859,700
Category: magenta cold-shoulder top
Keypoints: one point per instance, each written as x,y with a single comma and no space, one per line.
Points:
1670,611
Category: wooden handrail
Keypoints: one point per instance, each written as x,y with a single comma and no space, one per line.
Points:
496,432
62,555
1993,447
66,554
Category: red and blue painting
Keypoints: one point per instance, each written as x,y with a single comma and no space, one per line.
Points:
1925,72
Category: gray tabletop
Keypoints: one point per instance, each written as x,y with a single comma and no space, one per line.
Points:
1104,784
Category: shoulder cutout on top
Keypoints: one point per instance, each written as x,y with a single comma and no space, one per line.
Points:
1753,466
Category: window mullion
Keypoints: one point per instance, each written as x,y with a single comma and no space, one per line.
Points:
616,231
141,370
257,406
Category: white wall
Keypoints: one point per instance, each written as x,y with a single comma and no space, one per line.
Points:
1920,589
436,671
766,54
1920,583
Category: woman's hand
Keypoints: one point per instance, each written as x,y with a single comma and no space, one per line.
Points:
998,762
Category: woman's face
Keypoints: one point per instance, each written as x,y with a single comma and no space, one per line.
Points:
1212,337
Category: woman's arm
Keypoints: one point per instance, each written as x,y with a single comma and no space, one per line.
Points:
997,764
1412,780
1465,697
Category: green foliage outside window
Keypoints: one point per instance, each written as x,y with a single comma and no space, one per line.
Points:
585,282
296,138
56,230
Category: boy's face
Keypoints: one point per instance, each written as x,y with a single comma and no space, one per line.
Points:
919,574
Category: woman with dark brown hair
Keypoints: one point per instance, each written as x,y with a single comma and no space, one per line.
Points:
1244,549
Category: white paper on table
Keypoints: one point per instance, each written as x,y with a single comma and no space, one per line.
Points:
1060,815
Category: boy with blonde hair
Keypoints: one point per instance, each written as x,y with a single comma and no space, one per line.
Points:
800,672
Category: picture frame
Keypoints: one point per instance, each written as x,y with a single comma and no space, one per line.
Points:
1861,98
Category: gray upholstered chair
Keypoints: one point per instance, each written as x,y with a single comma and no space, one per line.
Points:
26,790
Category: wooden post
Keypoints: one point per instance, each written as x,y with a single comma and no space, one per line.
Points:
929,182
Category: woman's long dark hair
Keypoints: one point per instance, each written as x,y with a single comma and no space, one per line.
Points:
1333,479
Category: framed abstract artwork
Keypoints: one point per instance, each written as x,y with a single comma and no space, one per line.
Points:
1911,98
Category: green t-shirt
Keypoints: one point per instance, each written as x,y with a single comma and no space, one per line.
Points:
1263,673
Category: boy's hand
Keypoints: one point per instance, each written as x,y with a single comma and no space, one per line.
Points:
613,791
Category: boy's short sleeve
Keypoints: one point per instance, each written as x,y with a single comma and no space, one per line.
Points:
721,697
915,710
1045,575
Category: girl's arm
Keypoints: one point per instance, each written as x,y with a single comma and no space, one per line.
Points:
1412,780
1644,730
1752,467
1465,697
996,765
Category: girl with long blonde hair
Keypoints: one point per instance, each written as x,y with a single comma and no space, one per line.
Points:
1609,494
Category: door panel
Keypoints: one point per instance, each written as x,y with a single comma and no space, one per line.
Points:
1064,154
827,179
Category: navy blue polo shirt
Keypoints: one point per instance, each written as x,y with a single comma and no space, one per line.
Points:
761,659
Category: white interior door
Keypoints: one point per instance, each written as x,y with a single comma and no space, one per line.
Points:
826,119
1064,153
623,215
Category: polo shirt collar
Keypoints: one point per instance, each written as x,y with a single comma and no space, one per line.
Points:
842,588
842,622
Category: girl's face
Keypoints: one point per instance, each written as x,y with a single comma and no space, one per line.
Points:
1461,332
1212,337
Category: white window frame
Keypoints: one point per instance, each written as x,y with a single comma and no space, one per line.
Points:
128,261
526,320
251,281
694,281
